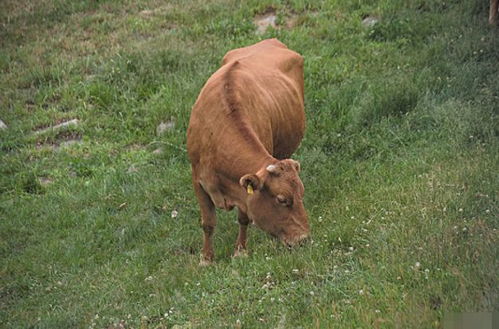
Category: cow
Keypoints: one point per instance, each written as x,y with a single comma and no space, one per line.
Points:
245,124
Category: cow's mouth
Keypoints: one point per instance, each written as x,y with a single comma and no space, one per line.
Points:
295,241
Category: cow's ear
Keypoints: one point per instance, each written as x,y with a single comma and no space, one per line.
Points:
251,179
296,164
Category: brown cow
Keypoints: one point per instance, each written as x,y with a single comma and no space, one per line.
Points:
245,124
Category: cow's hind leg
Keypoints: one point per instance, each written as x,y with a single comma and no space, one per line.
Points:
241,238
208,223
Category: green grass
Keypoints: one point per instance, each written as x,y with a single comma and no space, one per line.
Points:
399,162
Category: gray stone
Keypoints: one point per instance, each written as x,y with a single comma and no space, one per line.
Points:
73,122
165,126
70,142
44,181
2,125
132,169
370,21
146,13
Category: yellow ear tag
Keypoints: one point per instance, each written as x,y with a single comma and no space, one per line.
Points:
249,189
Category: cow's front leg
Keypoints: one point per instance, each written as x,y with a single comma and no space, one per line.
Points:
241,238
208,223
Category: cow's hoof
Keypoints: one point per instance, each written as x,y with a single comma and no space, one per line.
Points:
240,253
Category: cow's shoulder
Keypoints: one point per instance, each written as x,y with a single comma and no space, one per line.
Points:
265,50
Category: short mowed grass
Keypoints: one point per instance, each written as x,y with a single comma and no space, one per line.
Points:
99,226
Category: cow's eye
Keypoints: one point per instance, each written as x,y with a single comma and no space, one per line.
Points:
282,200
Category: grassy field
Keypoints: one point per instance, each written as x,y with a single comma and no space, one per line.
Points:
99,226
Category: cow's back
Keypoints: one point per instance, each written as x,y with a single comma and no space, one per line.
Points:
259,87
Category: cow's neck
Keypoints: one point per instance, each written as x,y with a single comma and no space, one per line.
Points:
244,155
247,160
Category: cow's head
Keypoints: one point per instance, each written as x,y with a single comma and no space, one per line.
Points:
275,201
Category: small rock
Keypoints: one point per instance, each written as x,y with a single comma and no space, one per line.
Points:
44,181
132,169
264,21
370,21
146,13
70,142
72,122
164,126
2,125
157,151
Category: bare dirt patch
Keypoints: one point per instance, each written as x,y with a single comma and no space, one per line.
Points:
62,139
268,18
265,20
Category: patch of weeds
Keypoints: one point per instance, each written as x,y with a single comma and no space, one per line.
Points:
230,27
40,76
392,29
101,94
4,61
392,99
30,183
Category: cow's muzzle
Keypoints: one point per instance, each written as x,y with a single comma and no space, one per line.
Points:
296,241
